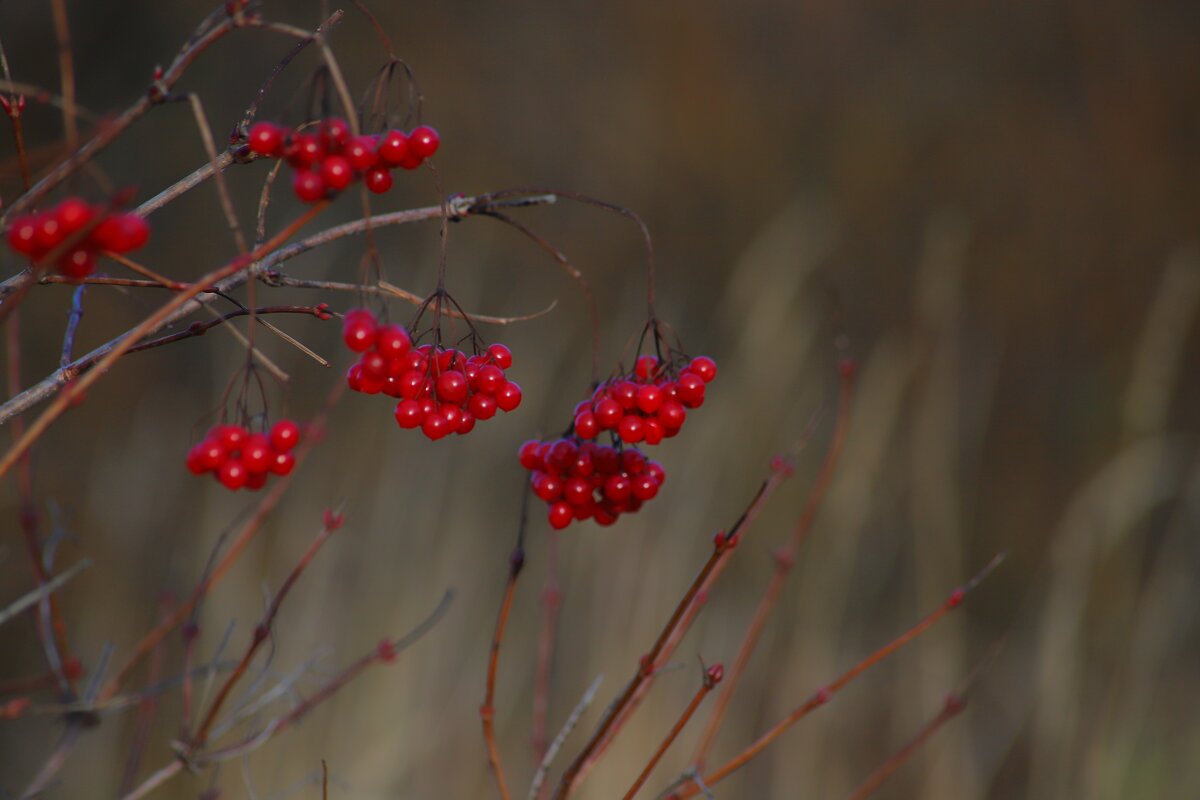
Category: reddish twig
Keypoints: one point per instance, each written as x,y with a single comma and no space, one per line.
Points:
551,603
785,557
826,693
145,714
333,521
487,711
951,708
712,676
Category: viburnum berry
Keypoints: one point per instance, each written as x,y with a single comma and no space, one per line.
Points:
38,234
241,459
423,141
358,330
337,173
393,148
308,186
360,152
649,404
266,139
378,180
581,480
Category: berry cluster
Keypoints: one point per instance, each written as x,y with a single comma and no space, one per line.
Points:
241,459
582,480
441,390
36,235
327,161
648,405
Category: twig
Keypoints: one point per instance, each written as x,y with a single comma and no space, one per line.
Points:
785,557
551,604
712,676
32,598
826,693
66,70
73,320
487,711
535,788
145,715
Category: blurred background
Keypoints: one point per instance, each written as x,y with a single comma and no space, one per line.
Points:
994,204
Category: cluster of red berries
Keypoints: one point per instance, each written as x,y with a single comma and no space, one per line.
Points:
648,405
584,480
440,390
327,161
243,460
36,235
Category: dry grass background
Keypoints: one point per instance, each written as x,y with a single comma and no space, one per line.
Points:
996,203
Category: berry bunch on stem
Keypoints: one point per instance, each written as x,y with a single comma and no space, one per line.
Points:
243,460
440,390
74,232
329,160
583,480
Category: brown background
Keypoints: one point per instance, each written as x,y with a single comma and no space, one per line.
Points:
995,203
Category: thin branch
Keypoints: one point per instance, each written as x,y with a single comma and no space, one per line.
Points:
66,70
73,320
32,598
712,676
551,604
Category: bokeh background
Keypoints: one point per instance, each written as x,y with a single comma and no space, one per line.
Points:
993,205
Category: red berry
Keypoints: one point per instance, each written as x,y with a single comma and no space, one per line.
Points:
48,232
303,151
393,148
374,366
652,430
423,141
414,385
482,406
490,379
690,389
586,426
210,454
411,161
334,134
618,488
630,429
466,423
703,366
121,233
284,435
233,474
21,235
608,413
560,515
528,455
358,330
644,487
266,139
509,396
577,491
336,172
435,426
73,214
354,378
392,341
649,398
256,480
632,461
257,454
231,437
360,152
195,461
645,366
546,487
626,394
501,356
378,180
78,263
655,470
409,414
452,387
308,186
672,415
283,463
